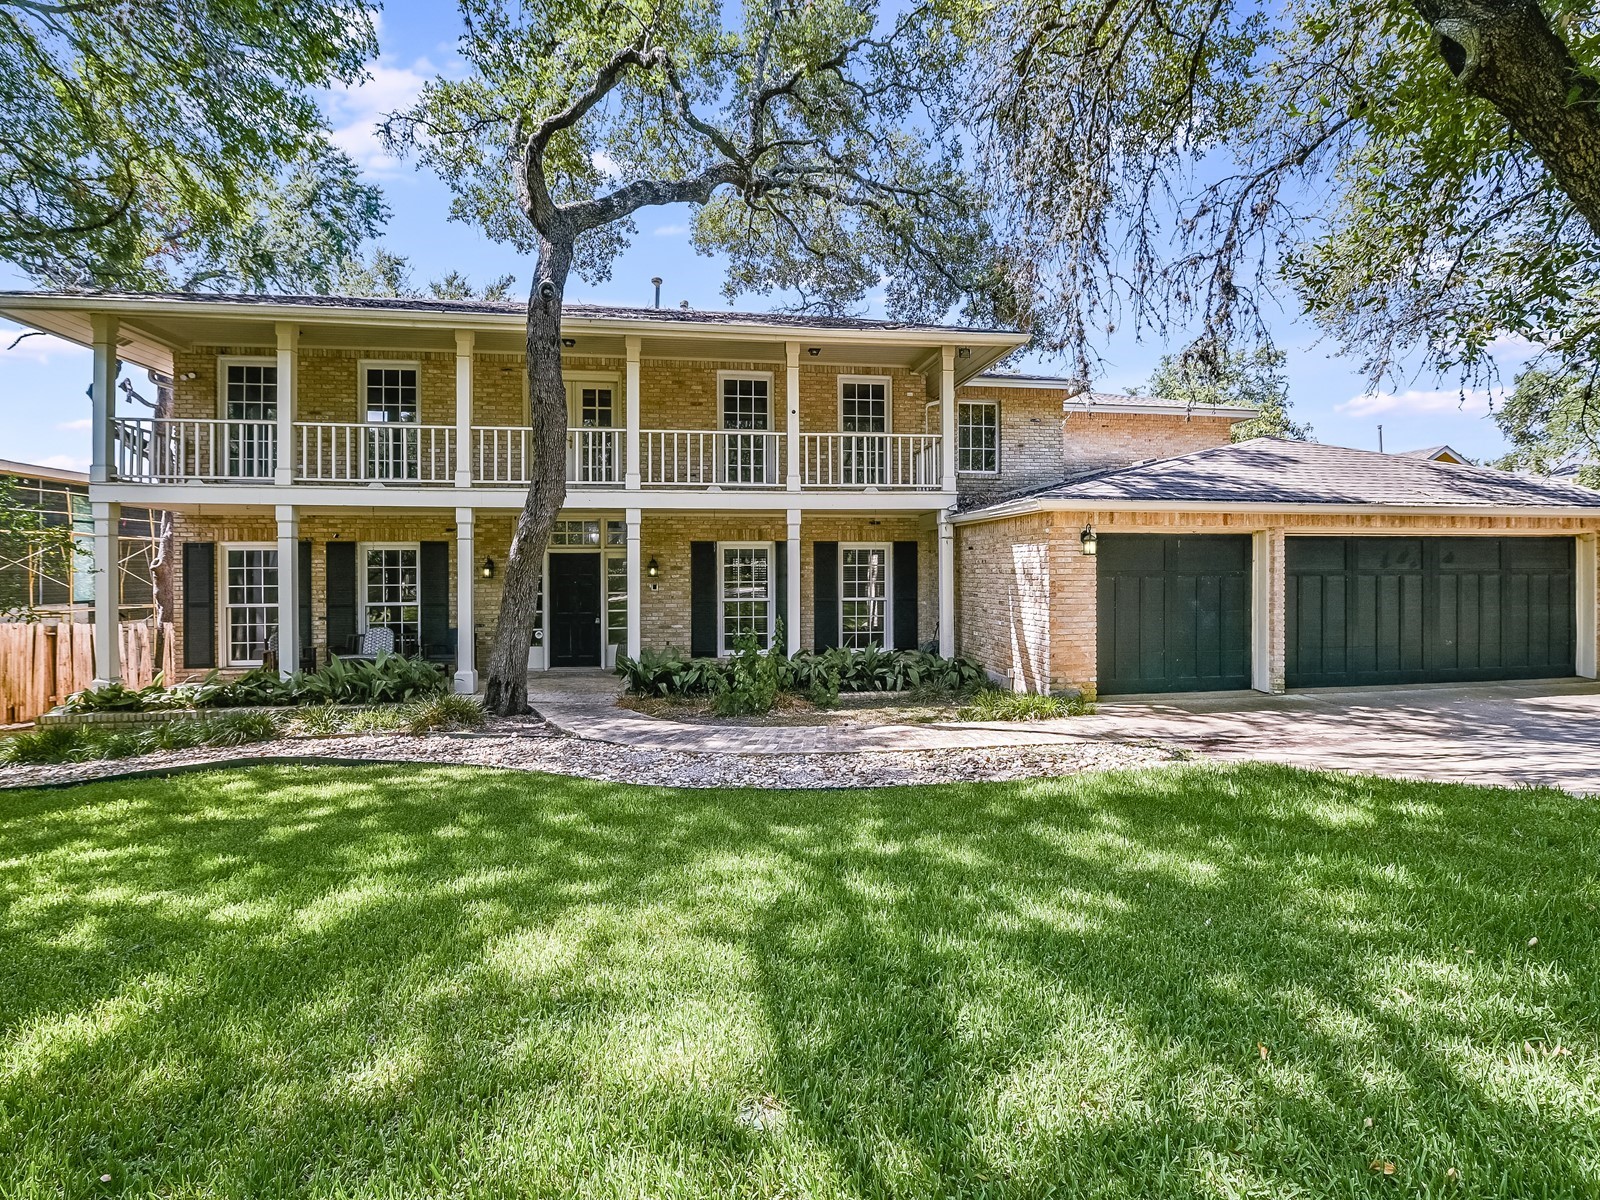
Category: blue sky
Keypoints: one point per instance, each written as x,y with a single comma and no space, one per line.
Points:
43,380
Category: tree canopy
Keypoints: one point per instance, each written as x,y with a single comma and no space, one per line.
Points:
161,143
1254,378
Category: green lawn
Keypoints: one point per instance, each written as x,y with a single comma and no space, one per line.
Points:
425,982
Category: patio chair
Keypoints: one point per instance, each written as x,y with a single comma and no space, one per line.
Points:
373,642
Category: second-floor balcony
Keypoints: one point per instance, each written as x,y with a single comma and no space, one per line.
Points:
181,451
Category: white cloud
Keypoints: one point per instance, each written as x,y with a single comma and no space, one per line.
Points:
355,112
65,462
670,230
40,349
1414,401
606,165
81,425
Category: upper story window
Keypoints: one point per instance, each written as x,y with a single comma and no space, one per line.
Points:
978,437
389,391
746,401
591,404
250,406
863,405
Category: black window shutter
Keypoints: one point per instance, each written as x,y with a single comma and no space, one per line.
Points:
703,599
780,585
199,604
308,652
905,595
825,594
433,594
341,586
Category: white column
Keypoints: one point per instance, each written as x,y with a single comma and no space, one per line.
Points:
630,479
1588,604
635,582
792,548
947,419
107,648
464,339
466,617
288,400
288,590
103,403
1266,613
791,407
947,586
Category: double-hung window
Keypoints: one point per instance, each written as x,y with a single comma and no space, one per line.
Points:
747,416
745,594
864,596
864,413
978,437
390,595
250,413
250,603
389,395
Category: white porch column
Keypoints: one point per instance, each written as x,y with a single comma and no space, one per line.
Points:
630,479
107,647
1587,590
1266,610
464,340
635,582
103,403
947,585
466,616
791,407
288,590
288,401
792,548
947,419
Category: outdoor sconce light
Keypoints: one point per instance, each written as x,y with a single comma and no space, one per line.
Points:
488,568
653,570
1090,540
814,350
964,352
569,343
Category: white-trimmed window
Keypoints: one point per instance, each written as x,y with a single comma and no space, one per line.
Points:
247,399
594,452
864,595
746,410
249,602
978,437
391,594
864,420
390,406
744,593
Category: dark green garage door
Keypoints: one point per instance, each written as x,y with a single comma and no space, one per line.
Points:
1174,613
1428,610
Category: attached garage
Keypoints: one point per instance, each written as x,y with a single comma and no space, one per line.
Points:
1173,613
1385,610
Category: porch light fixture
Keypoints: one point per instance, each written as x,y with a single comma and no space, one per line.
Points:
964,352
1090,539
569,343
813,350
652,570
488,568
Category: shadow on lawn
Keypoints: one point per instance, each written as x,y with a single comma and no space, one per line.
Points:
289,980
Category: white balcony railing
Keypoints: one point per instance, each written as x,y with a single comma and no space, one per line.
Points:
503,454
147,450
711,458
402,454
870,460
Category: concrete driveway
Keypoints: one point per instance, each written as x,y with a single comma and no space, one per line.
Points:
1502,733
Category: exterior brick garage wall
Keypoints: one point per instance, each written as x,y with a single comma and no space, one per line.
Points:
1095,440
1027,594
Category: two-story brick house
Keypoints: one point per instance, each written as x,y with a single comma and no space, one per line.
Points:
358,464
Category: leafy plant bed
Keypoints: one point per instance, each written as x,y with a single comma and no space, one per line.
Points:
873,708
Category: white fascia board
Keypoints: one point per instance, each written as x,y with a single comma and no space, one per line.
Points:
1029,506
1233,412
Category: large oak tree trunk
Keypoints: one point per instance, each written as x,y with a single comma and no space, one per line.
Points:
506,688
1505,52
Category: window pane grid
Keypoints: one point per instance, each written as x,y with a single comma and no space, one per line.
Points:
391,595
863,596
250,392
746,593
251,603
978,437
392,395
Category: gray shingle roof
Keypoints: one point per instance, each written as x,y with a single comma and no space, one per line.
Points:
1274,471
690,316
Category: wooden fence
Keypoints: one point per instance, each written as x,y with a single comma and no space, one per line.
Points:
41,665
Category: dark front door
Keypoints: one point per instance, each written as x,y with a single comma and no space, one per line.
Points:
1377,610
1174,613
575,610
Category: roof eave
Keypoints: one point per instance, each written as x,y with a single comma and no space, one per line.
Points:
1030,505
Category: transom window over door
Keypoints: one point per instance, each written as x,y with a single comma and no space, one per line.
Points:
747,409
390,597
389,392
864,596
250,406
250,603
746,594
864,410
978,437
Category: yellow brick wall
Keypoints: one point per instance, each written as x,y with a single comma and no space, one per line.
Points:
1003,598
1096,440
1030,441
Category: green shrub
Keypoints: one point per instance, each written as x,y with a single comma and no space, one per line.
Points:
47,744
375,720
317,720
238,729
445,711
992,704
749,680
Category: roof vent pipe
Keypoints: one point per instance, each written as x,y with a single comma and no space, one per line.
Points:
657,281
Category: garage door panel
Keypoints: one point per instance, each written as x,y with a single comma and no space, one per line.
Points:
1412,610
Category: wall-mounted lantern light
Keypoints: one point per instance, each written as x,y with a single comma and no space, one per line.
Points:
1090,539
488,568
653,570
814,350
569,343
